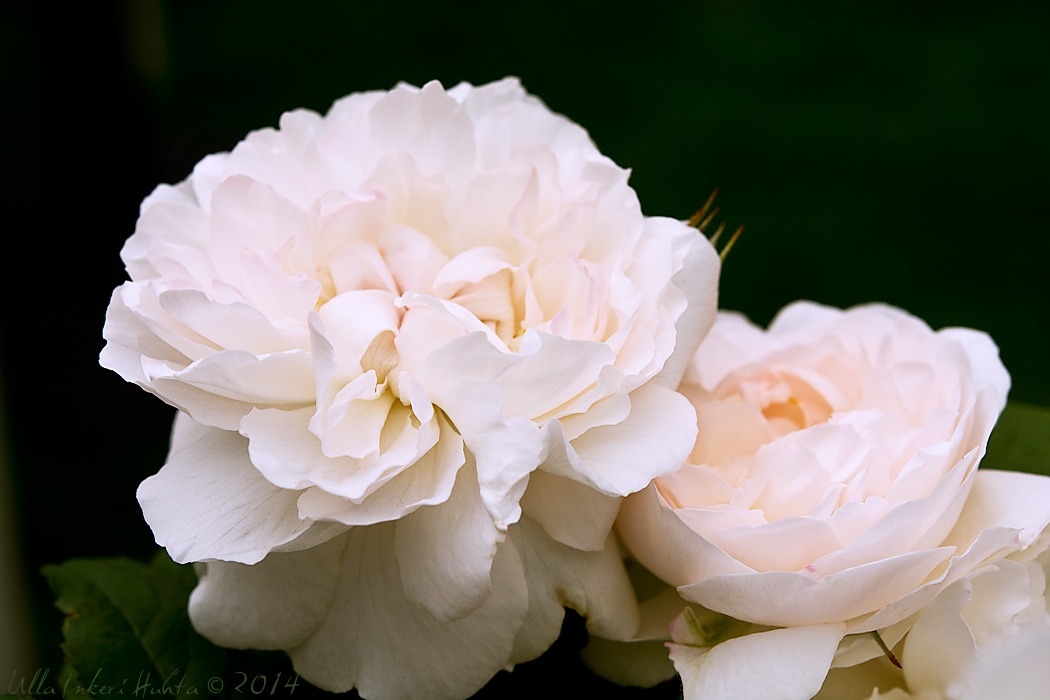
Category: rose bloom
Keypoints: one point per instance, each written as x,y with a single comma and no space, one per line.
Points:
420,347
833,489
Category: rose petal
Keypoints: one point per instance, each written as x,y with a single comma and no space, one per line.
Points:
666,546
273,604
290,456
1004,499
445,551
231,326
783,598
620,459
698,281
594,584
378,641
783,664
209,502
989,542
222,388
506,449
569,512
940,649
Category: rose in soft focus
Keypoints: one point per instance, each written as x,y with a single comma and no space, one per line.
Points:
420,347
833,488
984,637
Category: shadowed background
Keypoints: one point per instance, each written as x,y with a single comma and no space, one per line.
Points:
888,153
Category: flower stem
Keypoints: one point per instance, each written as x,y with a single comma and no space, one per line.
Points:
885,649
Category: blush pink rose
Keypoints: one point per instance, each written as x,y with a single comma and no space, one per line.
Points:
833,488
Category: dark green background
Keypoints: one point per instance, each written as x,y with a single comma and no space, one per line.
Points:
891,153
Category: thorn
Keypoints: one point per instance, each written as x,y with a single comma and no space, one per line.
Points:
702,212
703,224
718,233
729,245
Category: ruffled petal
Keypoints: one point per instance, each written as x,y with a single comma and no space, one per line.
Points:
1004,499
569,512
654,440
594,584
445,551
273,604
209,501
784,598
221,389
667,546
698,282
506,449
939,647
379,641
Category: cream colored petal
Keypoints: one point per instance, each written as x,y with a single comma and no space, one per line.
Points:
665,545
569,512
377,640
273,604
654,440
782,664
209,502
445,551
783,598
594,584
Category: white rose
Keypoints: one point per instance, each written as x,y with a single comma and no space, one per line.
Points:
833,488
390,330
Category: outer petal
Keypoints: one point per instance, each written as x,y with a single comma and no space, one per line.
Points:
274,604
231,325
783,664
222,388
386,646
570,512
654,440
940,647
667,546
592,583
698,281
129,337
784,598
445,551
991,541
1018,670
209,501
643,660
1004,499
1005,511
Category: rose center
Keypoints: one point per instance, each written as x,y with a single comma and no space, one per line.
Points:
787,401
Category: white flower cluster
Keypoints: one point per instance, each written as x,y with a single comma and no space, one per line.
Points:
424,346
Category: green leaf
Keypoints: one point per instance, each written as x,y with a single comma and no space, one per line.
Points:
1021,440
127,629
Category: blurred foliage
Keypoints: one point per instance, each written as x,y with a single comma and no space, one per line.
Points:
127,630
1021,440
